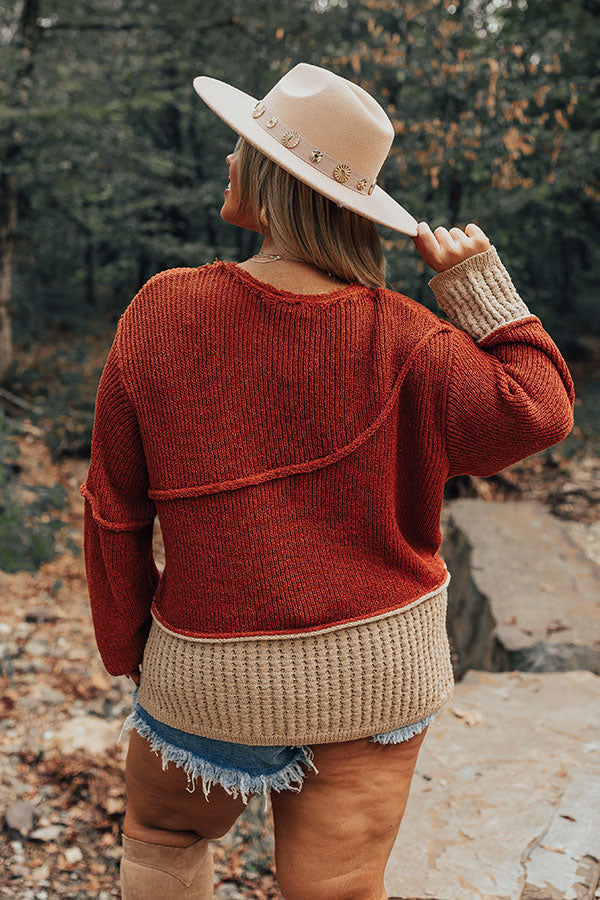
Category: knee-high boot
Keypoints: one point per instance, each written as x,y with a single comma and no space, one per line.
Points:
157,872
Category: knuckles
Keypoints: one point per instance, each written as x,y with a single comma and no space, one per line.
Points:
455,245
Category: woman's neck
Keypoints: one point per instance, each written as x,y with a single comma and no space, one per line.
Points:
292,274
270,248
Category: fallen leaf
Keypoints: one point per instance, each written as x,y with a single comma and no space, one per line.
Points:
471,716
7,705
99,681
114,805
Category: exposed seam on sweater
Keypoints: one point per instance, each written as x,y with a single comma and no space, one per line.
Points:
271,635
310,465
134,525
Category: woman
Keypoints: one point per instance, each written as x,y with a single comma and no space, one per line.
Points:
293,427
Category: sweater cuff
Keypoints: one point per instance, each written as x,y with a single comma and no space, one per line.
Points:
478,294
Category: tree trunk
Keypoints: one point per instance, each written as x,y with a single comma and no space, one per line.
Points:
9,198
90,272
454,196
26,36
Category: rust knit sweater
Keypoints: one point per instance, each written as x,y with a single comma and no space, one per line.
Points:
295,449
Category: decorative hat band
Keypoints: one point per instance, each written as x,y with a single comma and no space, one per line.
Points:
329,165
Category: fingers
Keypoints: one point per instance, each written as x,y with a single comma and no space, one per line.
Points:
480,240
459,236
475,231
453,239
427,238
442,249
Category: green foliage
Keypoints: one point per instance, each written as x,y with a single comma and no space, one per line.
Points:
46,498
27,527
25,544
64,394
122,167
9,449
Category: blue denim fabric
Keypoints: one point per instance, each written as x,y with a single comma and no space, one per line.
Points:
242,768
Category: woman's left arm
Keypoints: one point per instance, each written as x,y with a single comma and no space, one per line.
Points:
118,524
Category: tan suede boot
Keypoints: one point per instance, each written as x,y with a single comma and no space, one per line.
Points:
157,872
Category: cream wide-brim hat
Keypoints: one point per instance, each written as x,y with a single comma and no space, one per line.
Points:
322,128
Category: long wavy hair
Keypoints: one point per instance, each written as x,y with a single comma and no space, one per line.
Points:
307,225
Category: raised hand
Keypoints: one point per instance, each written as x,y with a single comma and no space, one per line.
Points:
442,249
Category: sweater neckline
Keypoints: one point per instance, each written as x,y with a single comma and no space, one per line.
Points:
274,293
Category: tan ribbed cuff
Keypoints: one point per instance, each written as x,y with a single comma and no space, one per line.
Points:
478,294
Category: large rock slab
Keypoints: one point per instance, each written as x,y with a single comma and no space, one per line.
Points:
523,594
505,799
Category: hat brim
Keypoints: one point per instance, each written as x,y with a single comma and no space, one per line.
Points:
235,108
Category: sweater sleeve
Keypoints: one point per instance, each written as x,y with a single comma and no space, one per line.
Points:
118,526
509,393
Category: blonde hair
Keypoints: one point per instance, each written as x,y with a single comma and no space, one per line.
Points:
305,224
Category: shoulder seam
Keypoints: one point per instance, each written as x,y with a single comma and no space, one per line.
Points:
413,305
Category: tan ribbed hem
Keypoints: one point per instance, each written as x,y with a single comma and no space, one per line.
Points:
478,294
338,685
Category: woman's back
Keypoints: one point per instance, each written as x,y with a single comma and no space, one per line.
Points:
295,448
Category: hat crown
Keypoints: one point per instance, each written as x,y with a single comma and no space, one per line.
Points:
336,115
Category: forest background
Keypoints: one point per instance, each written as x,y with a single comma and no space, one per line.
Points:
112,169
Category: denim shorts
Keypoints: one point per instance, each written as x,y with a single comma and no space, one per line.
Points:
242,768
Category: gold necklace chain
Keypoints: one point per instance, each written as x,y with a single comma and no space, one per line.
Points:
271,257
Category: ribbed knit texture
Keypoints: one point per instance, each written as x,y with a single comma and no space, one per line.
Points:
295,449
338,685
478,294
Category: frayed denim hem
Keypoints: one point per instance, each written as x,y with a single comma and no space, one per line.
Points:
404,733
233,781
